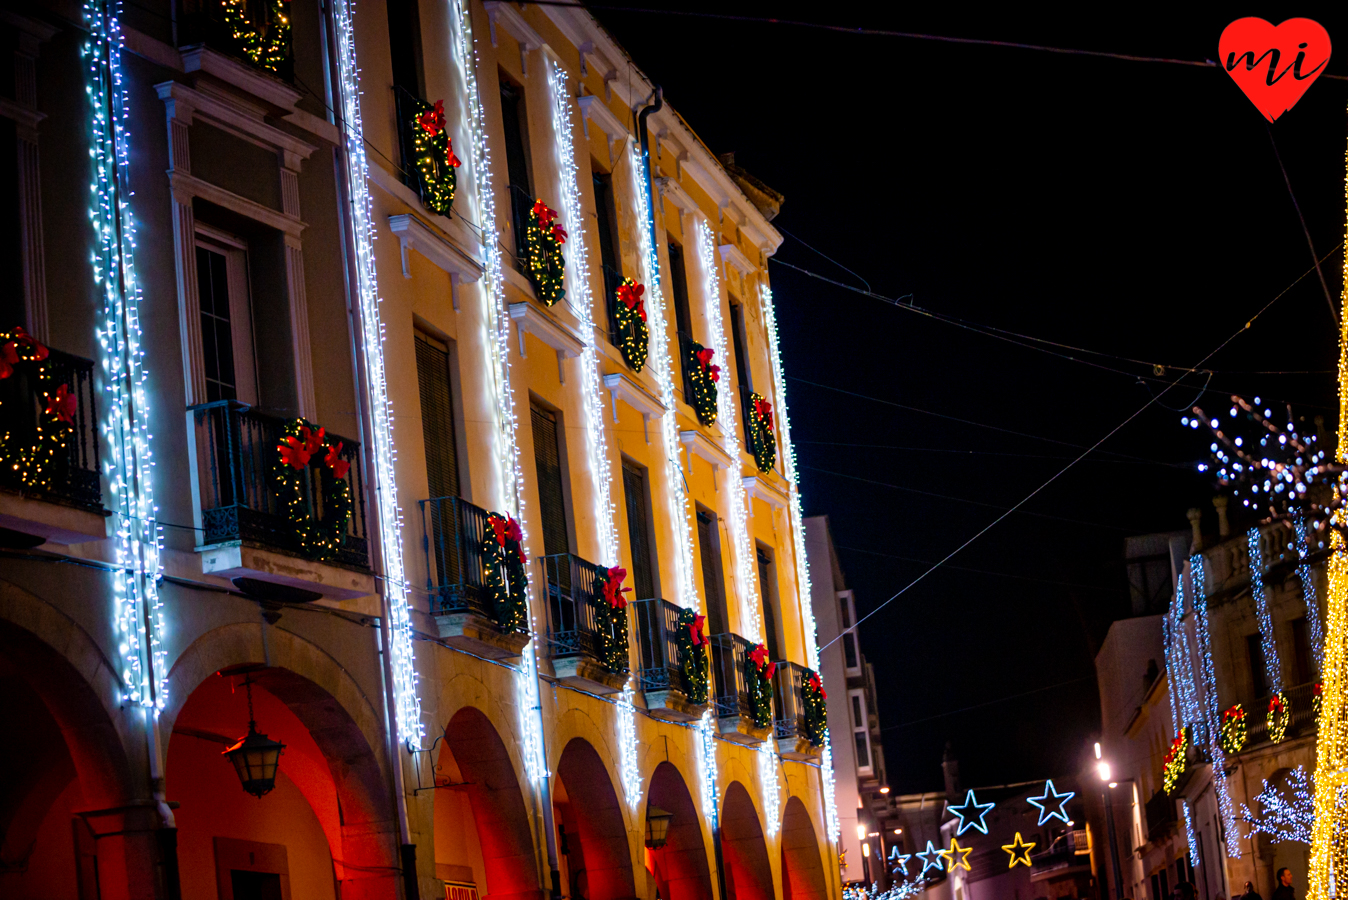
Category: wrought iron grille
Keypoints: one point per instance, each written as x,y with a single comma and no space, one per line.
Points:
76,479
788,700
454,534
658,645
574,595
728,653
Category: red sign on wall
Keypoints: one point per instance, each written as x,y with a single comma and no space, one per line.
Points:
460,890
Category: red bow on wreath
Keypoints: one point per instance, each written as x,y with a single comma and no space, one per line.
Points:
613,589
818,686
704,357
432,121
296,452
760,657
449,154
62,404
547,218
1275,704
1235,713
764,410
9,353
695,632
334,461
630,295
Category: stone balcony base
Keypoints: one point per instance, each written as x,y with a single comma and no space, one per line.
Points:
797,748
741,730
238,560
479,635
588,675
673,705
52,522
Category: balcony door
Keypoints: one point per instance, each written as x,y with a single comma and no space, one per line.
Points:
637,495
442,459
551,480
713,581
226,317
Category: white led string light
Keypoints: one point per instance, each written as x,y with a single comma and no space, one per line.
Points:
1203,637
706,763
1307,576
139,609
767,781
601,473
1182,703
410,728
1272,667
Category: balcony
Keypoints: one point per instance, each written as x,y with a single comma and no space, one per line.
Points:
247,535
691,368
65,503
1161,816
1303,721
734,711
788,704
453,536
768,450
521,202
660,675
575,637
270,49
1069,855
612,279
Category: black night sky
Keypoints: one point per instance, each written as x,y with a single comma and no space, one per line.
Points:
1134,209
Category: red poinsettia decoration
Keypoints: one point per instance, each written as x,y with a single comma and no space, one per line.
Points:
1234,714
547,220
449,154
764,410
818,686
704,358
1176,747
9,353
760,657
695,632
335,462
296,452
1275,704
613,589
62,404
432,121
630,295
508,529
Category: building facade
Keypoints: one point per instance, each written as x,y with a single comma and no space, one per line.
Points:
400,386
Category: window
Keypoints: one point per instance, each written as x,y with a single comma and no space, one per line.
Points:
437,417
1254,645
515,124
639,530
607,224
1301,651
678,285
404,33
713,584
551,480
767,587
226,321
737,335
861,731
851,659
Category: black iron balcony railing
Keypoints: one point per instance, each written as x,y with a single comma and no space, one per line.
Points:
788,701
658,646
521,202
258,33
687,362
75,480
1160,815
612,279
453,534
1299,698
240,500
574,622
1067,850
728,653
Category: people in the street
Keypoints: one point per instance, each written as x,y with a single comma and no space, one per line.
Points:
1250,892
1283,891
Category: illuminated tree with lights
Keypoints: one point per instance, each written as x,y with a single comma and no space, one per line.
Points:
1288,813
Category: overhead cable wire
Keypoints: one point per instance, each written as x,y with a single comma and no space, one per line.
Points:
1130,460
953,567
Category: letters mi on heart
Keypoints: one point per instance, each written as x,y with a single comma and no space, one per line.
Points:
1274,65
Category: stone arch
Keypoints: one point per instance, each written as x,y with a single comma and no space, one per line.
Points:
475,757
598,855
680,867
744,850
802,864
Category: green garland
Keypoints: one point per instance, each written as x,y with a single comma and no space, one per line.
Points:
269,51
547,266
506,577
432,153
36,464
303,444
816,712
758,672
761,438
693,656
702,378
611,617
1175,762
629,314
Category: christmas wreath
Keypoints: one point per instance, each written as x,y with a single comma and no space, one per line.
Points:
758,672
506,577
761,438
702,378
432,152
303,444
1175,761
36,463
1317,698
612,618
816,713
693,655
546,264
267,47
1233,733
629,316
1279,716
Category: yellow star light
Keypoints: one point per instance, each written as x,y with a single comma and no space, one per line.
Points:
1019,850
958,856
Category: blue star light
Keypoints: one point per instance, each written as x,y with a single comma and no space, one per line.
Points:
933,858
971,814
1059,800
899,861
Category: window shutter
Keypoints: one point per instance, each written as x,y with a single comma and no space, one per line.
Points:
638,532
437,418
711,573
551,498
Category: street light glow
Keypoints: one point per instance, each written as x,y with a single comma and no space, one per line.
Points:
1097,749
1103,768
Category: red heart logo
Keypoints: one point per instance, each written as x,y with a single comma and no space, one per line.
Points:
1274,65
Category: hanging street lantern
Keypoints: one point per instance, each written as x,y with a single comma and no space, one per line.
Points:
255,756
657,827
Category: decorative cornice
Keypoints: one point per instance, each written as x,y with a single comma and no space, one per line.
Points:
510,19
698,443
756,486
529,318
733,256
622,387
414,234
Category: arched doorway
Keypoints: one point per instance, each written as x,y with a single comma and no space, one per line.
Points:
680,867
802,866
497,853
324,831
595,855
744,852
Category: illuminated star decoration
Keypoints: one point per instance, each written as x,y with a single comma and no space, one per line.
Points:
1019,850
899,861
933,858
957,857
1059,800
972,819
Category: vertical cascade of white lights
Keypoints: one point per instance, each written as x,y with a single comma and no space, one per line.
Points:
663,366
1203,636
1272,666
1309,593
751,609
804,589
581,300
1183,702
509,472
139,609
410,728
